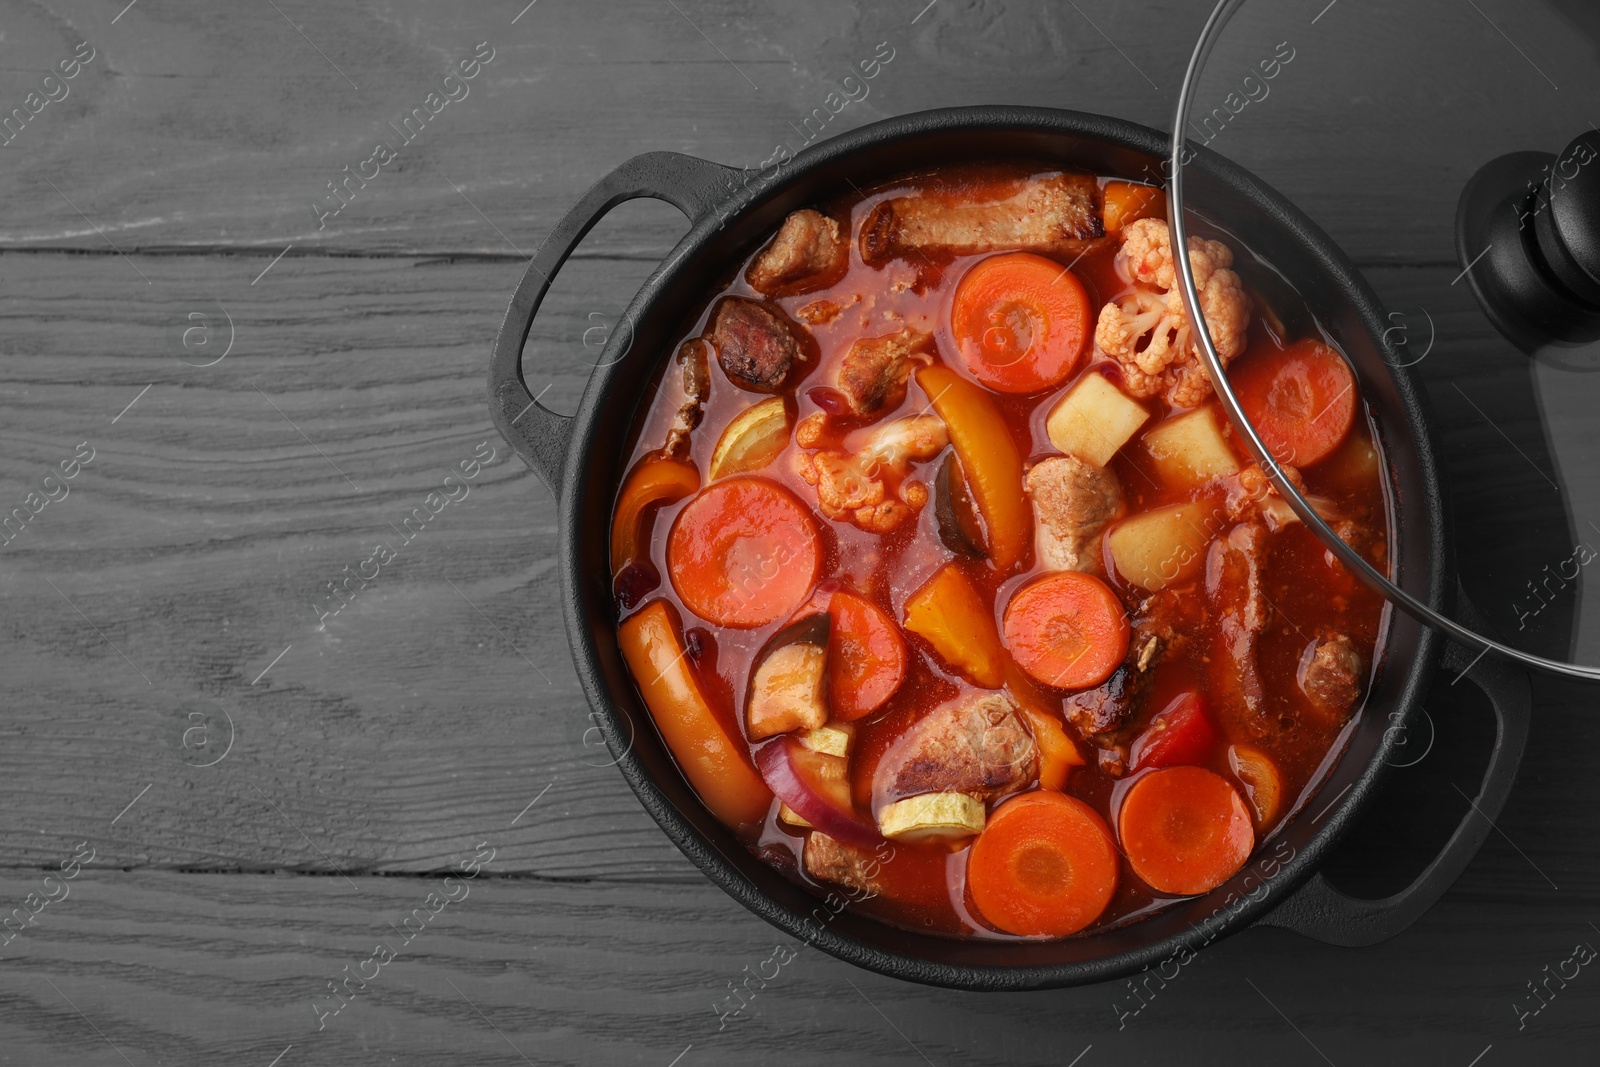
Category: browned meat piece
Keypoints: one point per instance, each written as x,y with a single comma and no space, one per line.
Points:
694,359
872,375
976,744
755,344
1107,715
833,861
1099,711
1330,675
1233,587
807,254
1053,213
1073,502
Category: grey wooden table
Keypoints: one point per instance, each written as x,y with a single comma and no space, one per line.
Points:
250,791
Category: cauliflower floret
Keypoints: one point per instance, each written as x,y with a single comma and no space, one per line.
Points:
1147,331
853,486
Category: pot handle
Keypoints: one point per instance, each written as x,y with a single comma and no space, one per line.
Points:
540,436
1319,911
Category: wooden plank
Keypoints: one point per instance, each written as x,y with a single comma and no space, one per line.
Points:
220,128
197,969
193,549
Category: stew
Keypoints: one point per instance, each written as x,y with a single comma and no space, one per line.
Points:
945,580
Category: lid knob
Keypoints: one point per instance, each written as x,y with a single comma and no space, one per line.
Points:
1528,237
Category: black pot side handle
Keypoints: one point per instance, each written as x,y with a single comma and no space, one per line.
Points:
540,436
1319,911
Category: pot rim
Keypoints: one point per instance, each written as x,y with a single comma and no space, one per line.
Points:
1277,212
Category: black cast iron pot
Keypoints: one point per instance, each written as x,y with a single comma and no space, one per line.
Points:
731,212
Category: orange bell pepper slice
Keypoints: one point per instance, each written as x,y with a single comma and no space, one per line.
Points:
717,764
989,459
951,615
1127,202
656,480
1057,754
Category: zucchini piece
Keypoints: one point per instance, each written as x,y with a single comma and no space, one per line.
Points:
932,817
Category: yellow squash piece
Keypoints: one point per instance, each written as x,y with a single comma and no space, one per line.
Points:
752,440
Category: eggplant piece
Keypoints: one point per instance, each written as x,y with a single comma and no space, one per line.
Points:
788,687
960,527
932,817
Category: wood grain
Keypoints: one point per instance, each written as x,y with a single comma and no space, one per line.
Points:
200,969
212,129
175,585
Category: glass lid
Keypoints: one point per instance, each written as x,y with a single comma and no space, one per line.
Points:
1450,148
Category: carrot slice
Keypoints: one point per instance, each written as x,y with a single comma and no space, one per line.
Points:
1021,322
959,623
1068,630
744,552
1044,865
1185,830
656,480
717,765
1301,400
866,656
1127,202
989,460
1261,780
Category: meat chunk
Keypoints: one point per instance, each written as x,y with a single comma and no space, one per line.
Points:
1100,711
1330,675
756,345
855,486
693,360
808,253
828,860
1107,714
1233,588
977,744
872,375
1051,213
1073,502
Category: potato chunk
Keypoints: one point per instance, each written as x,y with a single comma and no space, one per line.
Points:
932,817
1192,449
1094,420
1157,548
